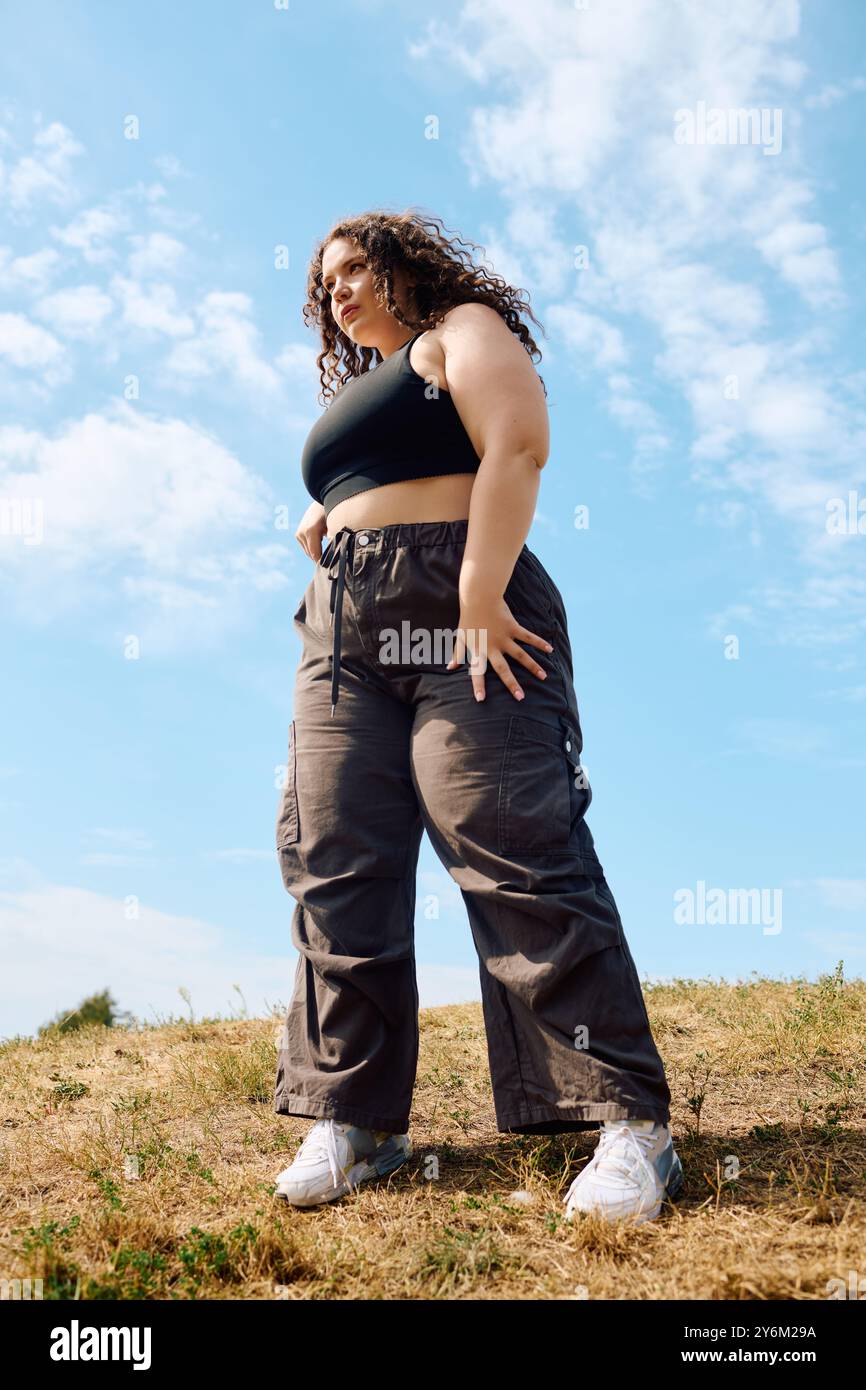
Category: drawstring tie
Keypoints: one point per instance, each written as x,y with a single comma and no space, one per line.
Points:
342,546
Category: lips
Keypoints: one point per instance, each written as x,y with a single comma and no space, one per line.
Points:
352,309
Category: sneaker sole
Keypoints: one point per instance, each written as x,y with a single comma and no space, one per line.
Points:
362,1171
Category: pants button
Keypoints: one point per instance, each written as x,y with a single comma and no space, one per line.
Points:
363,538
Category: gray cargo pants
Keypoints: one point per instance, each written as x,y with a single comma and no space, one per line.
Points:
385,743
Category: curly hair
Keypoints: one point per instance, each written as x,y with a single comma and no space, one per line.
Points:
444,275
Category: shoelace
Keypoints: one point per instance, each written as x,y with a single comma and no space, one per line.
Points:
323,1135
609,1163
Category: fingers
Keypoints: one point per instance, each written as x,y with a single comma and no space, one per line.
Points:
526,660
524,635
476,672
480,659
459,650
477,663
504,671
309,547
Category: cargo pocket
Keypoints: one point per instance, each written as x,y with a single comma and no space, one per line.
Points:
551,592
528,597
534,790
544,794
288,828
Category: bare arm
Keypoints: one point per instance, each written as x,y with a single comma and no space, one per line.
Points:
501,402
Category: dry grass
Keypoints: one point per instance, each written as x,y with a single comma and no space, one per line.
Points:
765,1075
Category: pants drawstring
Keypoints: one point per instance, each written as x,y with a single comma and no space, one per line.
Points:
342,546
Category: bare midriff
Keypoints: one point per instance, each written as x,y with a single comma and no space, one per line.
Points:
444,498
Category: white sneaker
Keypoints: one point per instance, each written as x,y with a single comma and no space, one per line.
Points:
335,1157
631,1172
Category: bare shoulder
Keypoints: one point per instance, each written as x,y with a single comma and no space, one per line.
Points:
468,331
473,323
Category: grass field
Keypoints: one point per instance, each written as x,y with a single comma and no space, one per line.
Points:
140,1163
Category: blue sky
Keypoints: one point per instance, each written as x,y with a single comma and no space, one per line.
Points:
157,382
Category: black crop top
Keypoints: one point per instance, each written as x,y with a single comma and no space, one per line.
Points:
382,428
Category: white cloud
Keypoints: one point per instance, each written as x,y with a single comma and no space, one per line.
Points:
132,484
593,341
91,232
152,307
31,272
149,507
169,166
43,175
446,984
799,251
212,337
93,943
834,92
226,341
25,344
297,361
155,254
77,312
818,611
531,239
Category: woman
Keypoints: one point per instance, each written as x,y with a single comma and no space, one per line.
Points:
425,473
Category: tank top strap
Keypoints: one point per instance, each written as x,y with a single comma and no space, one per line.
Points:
405,365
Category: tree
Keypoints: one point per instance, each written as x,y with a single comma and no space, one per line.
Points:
96,1008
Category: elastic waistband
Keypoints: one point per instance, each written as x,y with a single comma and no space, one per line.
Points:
400,534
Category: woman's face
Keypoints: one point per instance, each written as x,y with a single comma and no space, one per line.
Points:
348,280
